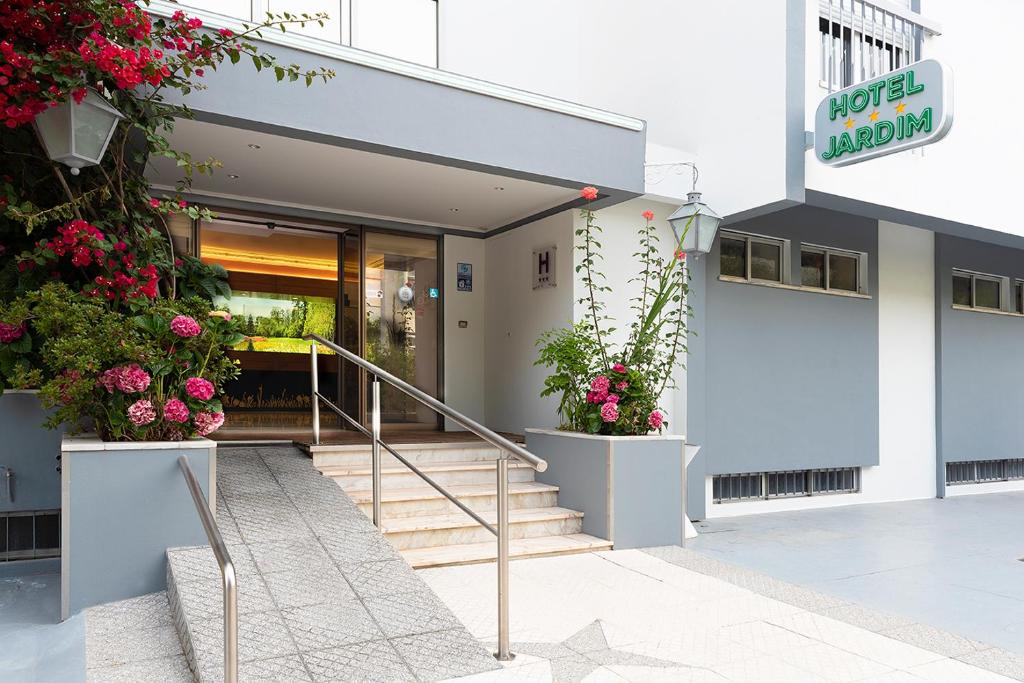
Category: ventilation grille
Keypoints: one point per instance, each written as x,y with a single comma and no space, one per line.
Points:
731,488
984,471
29,535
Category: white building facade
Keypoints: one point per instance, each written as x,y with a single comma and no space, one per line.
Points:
855,326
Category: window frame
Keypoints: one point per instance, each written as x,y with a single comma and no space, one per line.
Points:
748,239
859,257
1007,293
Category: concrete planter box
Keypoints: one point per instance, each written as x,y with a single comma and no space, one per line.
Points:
30,452
124,505
631,489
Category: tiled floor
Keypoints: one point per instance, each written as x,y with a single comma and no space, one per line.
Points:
322,595
629,615
953,564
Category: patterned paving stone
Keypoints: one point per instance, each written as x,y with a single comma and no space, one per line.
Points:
936,640
405,614
382,578
261,635
163,670
115,648
288,554
308,586
142,612
321,627
205,599
274,670
374,661
997,660
444,654
270,525
199,564
358,548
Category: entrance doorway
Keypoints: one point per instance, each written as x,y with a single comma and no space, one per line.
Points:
374,293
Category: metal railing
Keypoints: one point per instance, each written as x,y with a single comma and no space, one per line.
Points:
227,571
509,450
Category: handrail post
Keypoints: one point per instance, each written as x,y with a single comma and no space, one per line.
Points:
230,624
503,653
375,450
315,383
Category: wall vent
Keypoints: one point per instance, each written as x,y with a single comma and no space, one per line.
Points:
731,488
984,471
29,535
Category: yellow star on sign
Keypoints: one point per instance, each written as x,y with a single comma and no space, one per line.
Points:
849,123
873,115
900,107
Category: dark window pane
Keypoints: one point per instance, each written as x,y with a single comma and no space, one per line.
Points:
842,272
19,533
986,293
734,257
961,290
812,269
765,262
1020,298
47,531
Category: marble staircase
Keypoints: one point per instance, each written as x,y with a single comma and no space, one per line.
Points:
428,529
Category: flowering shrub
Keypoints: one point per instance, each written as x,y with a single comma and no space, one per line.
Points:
607,390
126,373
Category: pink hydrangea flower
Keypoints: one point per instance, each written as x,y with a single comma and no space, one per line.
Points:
619,368
108,379
141,412
207,423
131,379
610,412
612,398
622,386
200,388
174,434
175,411
655,419
600,383
10,333
185,326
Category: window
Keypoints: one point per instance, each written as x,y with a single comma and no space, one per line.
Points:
751,257
985,292
829,269
984,471
731,488
1018,292
860,41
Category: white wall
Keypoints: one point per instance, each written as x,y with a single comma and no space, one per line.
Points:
516,315
967,176
619,240
464,348
906,387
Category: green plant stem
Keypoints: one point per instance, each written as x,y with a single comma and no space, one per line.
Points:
588,240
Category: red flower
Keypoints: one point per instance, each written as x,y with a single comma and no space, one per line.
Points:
225,32
648,215
155,203
680,255
182,204
589,193
120,246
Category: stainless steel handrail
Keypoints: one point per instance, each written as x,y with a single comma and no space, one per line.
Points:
373,433
426,399
227,571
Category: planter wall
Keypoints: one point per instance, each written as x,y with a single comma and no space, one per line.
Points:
124,505
30,451
631,489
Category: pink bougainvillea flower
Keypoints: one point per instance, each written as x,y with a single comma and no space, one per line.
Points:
655,419
610,412
199,388
619,368
589,193
10,333
648,215
141,412
622,386
175,410
600,383
207,423
185,326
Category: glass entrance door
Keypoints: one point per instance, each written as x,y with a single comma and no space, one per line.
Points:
401,297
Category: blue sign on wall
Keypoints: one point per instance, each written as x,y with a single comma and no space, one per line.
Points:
465,277
434,292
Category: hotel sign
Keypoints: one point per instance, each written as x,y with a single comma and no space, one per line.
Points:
905,108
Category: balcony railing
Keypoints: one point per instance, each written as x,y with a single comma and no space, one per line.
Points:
861,39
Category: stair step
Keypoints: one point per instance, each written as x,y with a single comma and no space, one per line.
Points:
356,454
358,477
459,528
471,553
426,501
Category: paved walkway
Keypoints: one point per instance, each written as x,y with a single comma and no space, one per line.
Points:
641,616
34,645
952,564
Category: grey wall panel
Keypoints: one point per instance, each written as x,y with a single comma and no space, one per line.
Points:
791,376
980,359
580,469
31,452
375,110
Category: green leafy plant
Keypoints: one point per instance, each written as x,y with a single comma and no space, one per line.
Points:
602,389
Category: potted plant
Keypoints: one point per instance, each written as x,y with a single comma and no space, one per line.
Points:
97,310
611,456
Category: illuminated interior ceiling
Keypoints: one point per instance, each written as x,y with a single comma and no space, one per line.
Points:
244,248
274,170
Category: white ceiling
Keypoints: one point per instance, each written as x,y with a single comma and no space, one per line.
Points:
296,173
